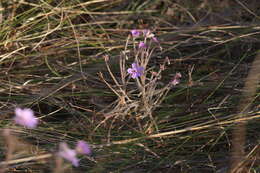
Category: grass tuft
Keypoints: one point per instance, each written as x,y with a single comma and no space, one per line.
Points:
52,61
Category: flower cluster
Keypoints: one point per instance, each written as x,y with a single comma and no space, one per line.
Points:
26,118
146,33
136,70
142,97
71,154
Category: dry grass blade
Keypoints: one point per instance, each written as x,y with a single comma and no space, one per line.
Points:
51,60
239,132
189,129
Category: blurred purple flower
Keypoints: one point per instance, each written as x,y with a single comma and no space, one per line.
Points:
155,39
136,71
176,79
25,117
146,32
68,154
135,33
83,147
142,45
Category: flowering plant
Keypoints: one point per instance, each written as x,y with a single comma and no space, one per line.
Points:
71,154
25,117
146,94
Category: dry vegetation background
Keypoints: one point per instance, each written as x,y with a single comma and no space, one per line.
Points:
52,50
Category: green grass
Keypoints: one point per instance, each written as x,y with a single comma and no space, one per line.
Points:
52,51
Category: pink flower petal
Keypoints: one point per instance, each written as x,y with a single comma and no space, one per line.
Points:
135,33
25,117
83,148
176,79
142,45
136,71
68,154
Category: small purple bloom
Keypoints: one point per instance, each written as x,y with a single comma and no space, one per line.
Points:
135,33
136,71
68,154
25,117
142,45
175,82
176,79
155,39
83,147
146,32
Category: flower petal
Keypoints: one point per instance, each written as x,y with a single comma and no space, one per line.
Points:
83,147
130,70
135,33
176,79
25,117
68,154
140,69
134,75
155,39
142,45
135,71
134,66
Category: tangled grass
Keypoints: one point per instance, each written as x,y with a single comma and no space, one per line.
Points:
51,57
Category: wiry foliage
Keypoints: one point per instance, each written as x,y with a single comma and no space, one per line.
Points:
51,54
139,99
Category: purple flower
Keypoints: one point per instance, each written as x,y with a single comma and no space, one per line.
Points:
135,33
155,39
25,117
146,32
142,45
176,79
136,71
68,154
83,148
